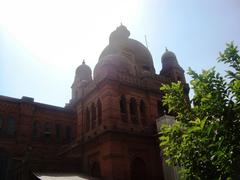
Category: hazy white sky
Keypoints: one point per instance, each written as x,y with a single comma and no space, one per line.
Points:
43,42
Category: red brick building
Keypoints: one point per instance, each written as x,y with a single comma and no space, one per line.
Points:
108,128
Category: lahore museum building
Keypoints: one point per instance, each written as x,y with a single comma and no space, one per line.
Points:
108,128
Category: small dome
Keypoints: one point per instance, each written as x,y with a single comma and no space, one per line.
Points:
120,34
83,72
168,54
169,59
83,67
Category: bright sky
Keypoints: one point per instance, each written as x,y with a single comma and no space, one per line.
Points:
43,42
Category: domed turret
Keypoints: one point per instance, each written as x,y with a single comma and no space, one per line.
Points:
83,76
169,60
171,68
83,72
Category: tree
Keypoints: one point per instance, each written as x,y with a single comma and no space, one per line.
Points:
204,141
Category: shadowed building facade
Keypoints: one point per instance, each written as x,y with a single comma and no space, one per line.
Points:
108,128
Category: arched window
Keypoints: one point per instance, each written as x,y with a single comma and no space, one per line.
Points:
123,104
143,112
93,113
133,110
1,122
11,126
99,112
35,129
138,169
95,170
58,132
87,114
4,164
123,108
47,130
68,133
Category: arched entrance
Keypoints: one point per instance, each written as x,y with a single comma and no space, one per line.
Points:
138,169
3,164
95,170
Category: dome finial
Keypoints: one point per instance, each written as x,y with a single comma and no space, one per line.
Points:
166,49
83,62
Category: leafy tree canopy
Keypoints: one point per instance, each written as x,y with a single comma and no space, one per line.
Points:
204,141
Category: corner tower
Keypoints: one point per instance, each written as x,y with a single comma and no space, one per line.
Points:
171,68
83,76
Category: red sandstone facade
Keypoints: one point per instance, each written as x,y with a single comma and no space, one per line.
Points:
108,128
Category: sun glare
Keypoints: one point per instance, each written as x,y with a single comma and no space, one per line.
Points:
56,32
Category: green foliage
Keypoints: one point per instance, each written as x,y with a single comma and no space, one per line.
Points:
205,139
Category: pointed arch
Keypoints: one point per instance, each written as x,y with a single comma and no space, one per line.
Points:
87,114
96,170
133,110
99,112
123,108
58,128
68,134
47,130
93,115
138,169
5,158
11,126
123,104
143,112
1,123
35,129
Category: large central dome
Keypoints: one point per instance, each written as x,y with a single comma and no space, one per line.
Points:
136,55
